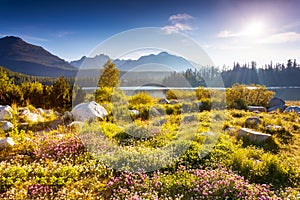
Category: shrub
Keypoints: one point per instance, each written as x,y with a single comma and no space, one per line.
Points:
241,96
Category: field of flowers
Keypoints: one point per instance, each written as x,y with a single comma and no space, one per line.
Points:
155,159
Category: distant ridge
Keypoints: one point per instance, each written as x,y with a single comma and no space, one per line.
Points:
20,56
160,62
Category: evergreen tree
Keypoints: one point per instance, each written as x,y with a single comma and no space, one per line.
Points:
61,94
109,76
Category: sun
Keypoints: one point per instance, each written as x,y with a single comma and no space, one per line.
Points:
254,28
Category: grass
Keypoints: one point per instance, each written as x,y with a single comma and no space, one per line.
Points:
177,159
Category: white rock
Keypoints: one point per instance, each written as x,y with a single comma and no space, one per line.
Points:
25,111
253,135
273,127
6,126
33,117
5,112
88,112
41,111
6,143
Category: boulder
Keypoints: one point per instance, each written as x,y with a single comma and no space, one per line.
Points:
7,126
40,111
189,118
275,104
88,112
292,109
257,108
6,143
164,101
33,117
5,112
274,108
252,121
253,136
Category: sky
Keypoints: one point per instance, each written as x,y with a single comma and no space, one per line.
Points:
228,30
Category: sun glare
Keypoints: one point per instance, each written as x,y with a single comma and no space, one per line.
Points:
254,29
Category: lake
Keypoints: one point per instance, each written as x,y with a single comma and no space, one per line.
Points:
291,93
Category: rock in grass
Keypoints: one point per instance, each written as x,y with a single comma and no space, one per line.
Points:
33,117
253,136
5,112
88,112
40,111
273,127
6,143
276,104
252,121
257,108
293,109
7,126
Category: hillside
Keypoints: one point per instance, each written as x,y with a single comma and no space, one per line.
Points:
20,56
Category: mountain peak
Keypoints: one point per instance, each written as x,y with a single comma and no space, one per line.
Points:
11,40
23,57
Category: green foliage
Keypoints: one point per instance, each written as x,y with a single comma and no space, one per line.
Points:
32,93
181,94
141,102
110,75
241,96
61,94
202,93
104,94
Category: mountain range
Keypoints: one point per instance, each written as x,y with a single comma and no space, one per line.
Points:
160,62
20,56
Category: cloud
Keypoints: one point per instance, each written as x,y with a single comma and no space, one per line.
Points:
62,34
180,17
227,34
179,23
281,38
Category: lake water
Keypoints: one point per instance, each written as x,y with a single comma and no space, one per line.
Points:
286,93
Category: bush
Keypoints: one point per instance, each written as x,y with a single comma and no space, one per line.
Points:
241,96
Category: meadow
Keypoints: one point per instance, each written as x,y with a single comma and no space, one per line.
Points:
167,151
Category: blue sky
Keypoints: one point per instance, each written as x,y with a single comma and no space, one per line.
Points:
228,30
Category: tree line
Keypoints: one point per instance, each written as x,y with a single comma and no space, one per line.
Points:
270,75
57,95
